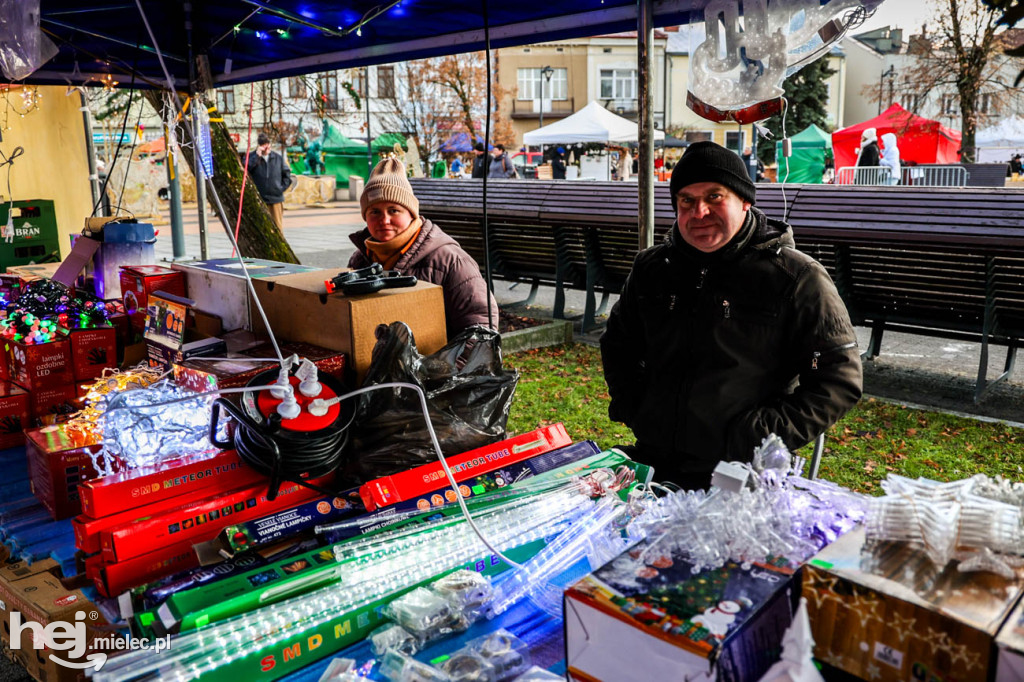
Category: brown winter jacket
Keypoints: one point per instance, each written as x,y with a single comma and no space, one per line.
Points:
437,258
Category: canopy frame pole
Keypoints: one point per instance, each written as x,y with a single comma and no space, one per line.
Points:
645,178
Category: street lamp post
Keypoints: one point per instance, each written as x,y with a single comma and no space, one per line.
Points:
547,72
891,73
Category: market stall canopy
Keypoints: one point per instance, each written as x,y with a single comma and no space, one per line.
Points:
1007,133
387,142
671,141
807,164
920,140
239,41
156,146
459,142
592,123
335,141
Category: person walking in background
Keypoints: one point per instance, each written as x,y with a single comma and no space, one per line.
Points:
891,159
272,177
558,164
480,161
501,166
867,159
1016,167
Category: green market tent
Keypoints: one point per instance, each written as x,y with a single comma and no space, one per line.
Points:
342,157
811,146
387,142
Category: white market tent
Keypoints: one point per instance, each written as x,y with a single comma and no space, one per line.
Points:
999,142
592,123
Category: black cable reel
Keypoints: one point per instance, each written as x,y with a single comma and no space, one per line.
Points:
298,450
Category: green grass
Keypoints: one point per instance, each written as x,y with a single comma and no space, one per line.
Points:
566,384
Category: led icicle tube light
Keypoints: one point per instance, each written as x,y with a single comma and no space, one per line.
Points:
210,648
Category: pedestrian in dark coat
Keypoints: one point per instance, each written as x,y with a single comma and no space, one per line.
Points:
725,333
272,177
558,165
869,155
480,161
400,239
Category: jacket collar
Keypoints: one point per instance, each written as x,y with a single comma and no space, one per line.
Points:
758,232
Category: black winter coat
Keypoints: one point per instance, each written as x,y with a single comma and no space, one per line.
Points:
869,155
706,354
271,176
437,258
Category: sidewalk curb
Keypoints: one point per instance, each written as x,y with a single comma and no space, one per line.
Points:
553,333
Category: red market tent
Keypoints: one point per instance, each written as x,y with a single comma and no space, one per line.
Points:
919,139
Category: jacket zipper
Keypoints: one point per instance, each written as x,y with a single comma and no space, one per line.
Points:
672,302
703,275
817,354
725,309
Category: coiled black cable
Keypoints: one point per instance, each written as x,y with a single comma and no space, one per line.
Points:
280,453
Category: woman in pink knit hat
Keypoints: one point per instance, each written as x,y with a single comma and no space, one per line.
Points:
399,238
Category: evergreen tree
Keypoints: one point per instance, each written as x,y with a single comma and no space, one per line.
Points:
807,93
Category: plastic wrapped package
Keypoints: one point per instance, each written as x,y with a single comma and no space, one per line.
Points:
393,637
538,674
468,666
738,62
425,614
467,592
23,47
507,655
468,394
398,667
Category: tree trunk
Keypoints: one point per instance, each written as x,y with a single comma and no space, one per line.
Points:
258,235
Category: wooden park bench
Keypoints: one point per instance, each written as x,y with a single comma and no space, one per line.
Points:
945,262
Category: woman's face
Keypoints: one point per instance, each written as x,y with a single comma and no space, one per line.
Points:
387,220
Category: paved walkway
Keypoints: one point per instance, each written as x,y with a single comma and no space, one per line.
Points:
914,369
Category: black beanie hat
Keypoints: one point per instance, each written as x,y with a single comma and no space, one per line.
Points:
710,162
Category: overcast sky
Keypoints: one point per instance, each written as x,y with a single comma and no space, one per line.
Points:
905,14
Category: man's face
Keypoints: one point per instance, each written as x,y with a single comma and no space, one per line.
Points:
709,215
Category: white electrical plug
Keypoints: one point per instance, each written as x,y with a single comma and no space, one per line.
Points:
289,407
319,407
307,375
283,387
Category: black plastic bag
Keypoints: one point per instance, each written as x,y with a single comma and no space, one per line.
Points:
468,397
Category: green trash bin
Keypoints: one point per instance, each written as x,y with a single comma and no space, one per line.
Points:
35,237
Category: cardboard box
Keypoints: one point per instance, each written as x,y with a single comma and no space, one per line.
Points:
14,415
1010,646
136,488
92,351
218,286
49,406
113,579
195,346
40,365
299,308
38,596
646,616
888,613
27,273
138,282
56,465
326,360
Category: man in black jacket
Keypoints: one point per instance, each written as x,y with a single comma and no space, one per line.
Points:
725,333
272,177
480,161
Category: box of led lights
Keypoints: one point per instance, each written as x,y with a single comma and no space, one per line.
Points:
886,612
57,463
40,365
723,624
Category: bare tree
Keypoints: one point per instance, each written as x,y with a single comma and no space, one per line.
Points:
966,54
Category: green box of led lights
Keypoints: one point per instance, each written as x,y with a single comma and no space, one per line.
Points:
35,233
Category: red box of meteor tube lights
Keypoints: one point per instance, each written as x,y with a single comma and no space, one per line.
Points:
410,484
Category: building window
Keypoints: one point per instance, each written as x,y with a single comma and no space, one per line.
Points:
949,105
226,100
327,89
986,103
692,136
358,81
529,82
297,87
618,83
386,82
734,140
914,103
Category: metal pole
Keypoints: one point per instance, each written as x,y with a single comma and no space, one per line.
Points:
541,99
200,178
366,101
177,226
645,181
90,149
